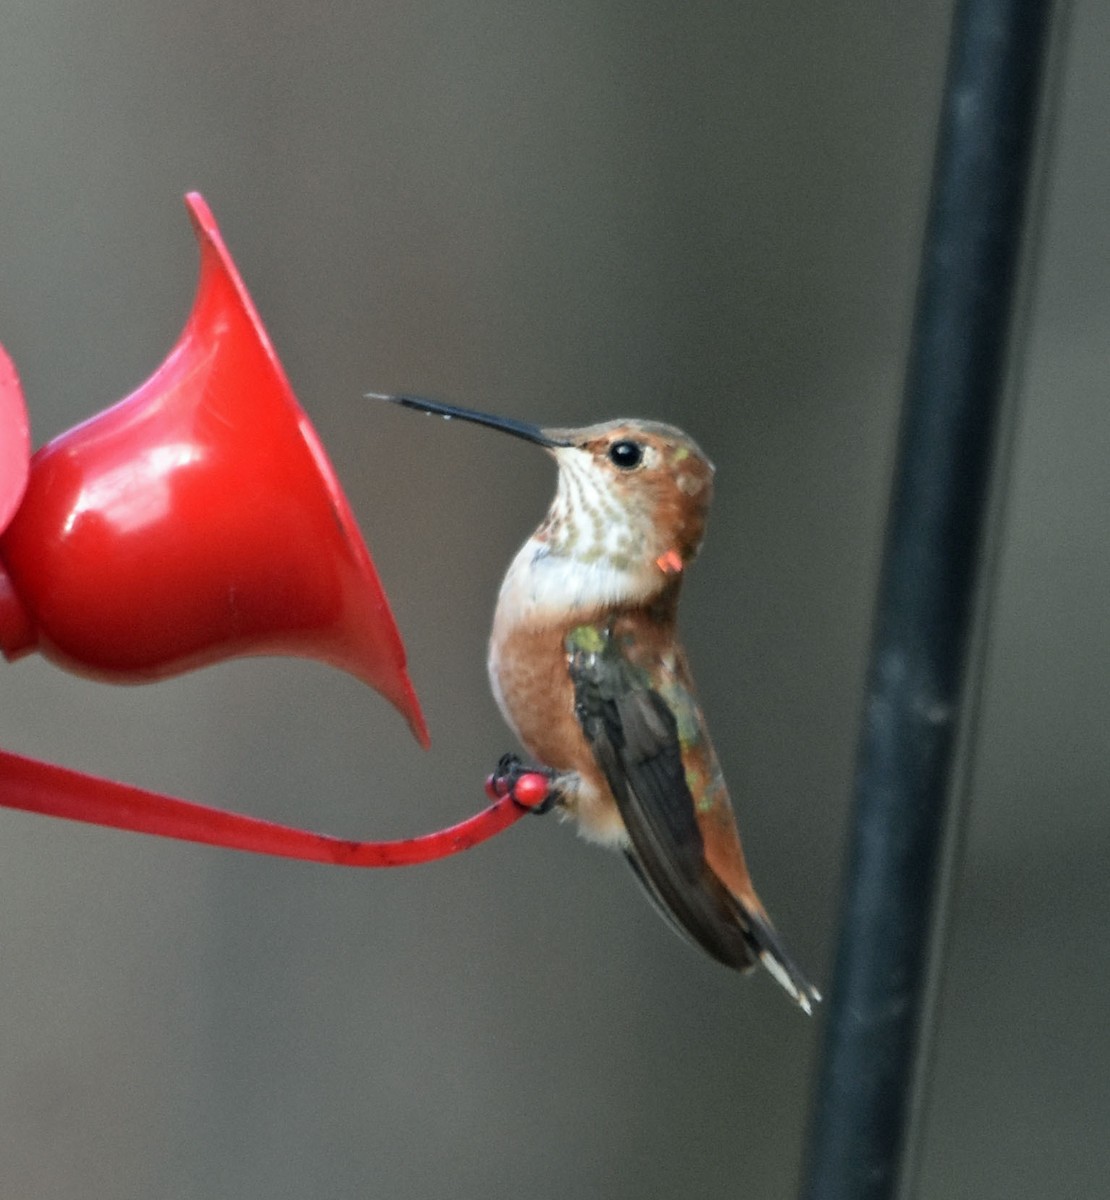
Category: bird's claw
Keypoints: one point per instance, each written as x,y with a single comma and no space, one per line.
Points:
529,787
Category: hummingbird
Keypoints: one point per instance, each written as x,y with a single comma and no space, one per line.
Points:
587,668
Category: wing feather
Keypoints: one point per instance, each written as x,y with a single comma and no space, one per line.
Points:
634,738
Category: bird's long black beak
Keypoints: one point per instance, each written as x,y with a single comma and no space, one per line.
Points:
450,412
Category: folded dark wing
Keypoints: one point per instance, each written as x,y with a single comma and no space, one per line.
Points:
634,737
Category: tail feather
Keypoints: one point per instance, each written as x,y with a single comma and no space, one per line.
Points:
736,934
774,955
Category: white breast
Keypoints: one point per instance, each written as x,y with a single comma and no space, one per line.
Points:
544,582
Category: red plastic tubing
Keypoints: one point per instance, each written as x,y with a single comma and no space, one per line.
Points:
33,786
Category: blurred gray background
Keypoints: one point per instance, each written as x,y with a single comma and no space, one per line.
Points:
705,213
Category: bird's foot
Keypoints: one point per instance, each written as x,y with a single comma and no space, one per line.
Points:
530,787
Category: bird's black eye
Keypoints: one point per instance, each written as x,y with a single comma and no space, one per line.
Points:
626,454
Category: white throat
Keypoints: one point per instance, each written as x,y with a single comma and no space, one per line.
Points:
589,553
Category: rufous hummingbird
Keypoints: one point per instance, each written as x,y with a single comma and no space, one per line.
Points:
588,670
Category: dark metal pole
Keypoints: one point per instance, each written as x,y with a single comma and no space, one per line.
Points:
954,384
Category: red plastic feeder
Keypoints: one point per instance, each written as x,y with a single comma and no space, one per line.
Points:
197,520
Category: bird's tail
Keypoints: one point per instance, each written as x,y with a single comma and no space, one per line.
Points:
773,954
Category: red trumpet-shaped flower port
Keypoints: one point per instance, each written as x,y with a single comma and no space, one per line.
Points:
197,520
